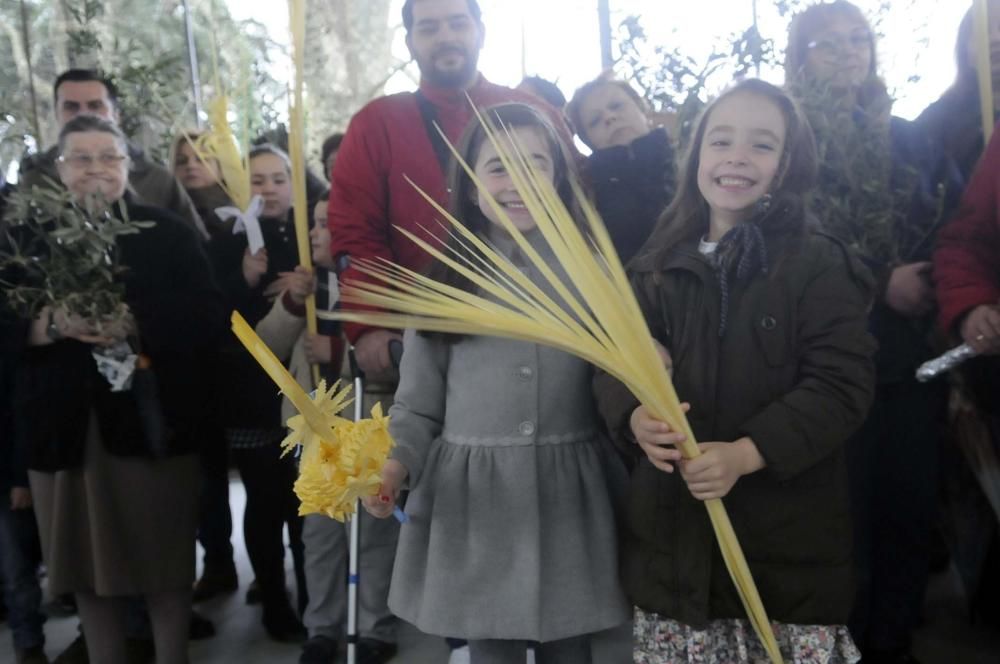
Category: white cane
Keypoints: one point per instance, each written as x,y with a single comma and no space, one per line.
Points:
352,558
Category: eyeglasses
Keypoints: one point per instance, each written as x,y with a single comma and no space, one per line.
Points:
831,46
83,160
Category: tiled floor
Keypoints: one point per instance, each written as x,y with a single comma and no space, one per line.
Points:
947,638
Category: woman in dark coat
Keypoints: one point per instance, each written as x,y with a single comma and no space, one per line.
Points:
878,193
114,474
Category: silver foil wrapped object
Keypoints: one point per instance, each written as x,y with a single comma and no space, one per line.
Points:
946,362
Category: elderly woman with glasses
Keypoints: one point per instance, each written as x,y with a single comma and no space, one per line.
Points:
878,192
114,472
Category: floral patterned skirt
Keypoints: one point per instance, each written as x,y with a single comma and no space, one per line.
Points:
659,640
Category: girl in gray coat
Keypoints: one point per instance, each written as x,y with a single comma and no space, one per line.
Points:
511,536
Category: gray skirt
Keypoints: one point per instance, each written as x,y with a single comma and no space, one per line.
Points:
510,542
118,525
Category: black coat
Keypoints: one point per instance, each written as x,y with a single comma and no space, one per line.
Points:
633,185
179,314
793,372
248,398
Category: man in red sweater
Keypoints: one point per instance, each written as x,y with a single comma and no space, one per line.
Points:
388,141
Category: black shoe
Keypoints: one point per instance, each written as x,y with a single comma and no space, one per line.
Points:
373,651
200,627
61,606
76,653
282,624
140,651
901,656
213,584
34,655
253,593
319,650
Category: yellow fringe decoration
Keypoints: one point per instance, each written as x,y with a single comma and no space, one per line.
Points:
341,460
219,144
984,68
604,325
296,153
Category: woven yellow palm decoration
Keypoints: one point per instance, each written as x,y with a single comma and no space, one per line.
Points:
341,460
602,324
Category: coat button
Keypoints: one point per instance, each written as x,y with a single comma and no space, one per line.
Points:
525,373
768,322
526,428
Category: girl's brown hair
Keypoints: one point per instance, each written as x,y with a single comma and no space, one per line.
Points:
687,216
803,29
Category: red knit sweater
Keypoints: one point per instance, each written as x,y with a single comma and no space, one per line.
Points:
967,255
385,143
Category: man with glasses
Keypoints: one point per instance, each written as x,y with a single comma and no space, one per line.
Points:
87,92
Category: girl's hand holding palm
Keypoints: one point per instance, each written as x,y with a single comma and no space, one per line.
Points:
657,439
713,474
300,284
383,503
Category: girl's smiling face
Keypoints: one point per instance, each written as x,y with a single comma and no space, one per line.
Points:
497,183
740,154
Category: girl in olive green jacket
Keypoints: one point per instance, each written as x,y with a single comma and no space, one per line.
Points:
765,324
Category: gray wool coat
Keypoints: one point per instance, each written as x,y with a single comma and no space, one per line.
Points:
512,528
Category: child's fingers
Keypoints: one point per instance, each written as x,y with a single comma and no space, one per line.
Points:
381,504
662,465
671,439
373,506
707,494
661,453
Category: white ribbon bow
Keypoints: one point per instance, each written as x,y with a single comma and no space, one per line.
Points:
246,221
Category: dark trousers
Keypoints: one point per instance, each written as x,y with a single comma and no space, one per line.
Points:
894,472
20,555
215,519
271,504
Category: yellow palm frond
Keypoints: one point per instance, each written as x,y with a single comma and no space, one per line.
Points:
296,153
593,315
219,144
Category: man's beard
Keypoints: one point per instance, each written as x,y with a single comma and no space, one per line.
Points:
456,78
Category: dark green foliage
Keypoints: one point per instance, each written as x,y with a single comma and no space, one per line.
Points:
54,253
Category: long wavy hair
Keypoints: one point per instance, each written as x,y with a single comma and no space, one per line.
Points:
687,216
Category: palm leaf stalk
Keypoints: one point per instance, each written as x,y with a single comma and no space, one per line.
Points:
296,138
983,70
596,316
